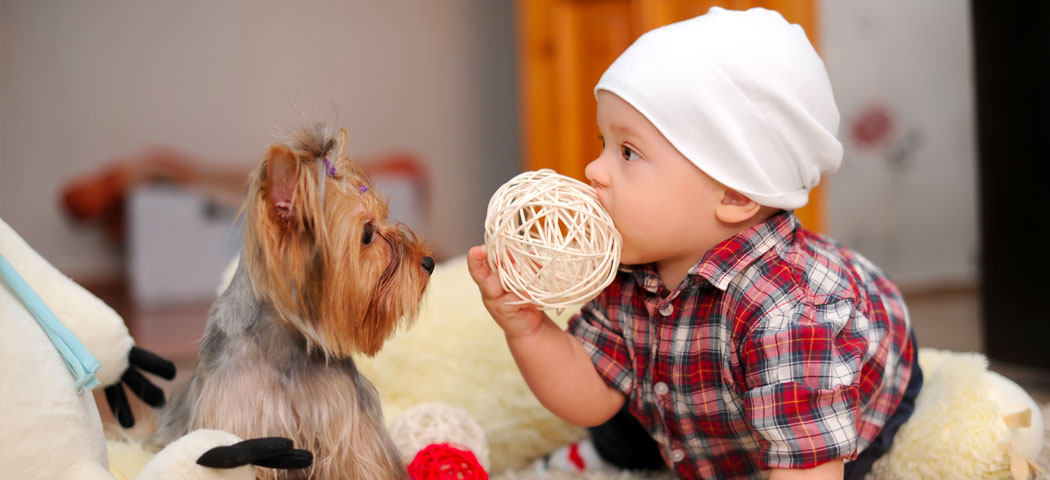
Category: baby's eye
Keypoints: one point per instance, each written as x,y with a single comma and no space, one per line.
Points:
628,153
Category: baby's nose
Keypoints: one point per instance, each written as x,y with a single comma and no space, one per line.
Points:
428,264
593,173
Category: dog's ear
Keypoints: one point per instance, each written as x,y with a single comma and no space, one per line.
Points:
282,174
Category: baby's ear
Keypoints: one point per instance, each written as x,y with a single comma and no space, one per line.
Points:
736,208
282,175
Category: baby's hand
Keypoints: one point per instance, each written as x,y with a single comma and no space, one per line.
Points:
515,320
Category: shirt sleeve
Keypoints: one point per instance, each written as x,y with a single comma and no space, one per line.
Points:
802,374
604,341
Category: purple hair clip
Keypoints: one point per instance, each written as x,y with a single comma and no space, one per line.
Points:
329,167
364,188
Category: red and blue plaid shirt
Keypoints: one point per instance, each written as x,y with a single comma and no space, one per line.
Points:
780,349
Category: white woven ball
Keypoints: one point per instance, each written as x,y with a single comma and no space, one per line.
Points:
434,423
550,240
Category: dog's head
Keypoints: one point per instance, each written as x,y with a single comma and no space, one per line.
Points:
319,246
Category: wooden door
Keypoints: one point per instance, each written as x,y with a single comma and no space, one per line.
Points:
566,45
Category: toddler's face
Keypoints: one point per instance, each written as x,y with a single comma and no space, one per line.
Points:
662,204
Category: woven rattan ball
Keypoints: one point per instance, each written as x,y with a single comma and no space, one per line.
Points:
435,423
550,240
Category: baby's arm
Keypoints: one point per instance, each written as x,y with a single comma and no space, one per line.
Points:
554,364
832,470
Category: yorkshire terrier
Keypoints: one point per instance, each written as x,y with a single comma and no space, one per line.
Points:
323,275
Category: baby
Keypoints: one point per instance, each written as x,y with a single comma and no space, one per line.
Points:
733,343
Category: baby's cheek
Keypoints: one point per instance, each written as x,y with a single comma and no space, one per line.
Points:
631,253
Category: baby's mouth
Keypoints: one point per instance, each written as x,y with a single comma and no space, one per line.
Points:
601,198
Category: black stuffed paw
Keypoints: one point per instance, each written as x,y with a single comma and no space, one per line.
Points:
138,359
270,452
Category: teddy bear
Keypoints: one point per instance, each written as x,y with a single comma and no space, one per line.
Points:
57,342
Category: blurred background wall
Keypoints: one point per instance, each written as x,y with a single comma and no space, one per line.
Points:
906,195
84,83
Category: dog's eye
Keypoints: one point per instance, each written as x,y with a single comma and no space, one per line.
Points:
366,236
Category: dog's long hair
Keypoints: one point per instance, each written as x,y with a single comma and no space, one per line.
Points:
323,275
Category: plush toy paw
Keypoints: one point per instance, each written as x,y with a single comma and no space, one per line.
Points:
138,384
269,452
219,450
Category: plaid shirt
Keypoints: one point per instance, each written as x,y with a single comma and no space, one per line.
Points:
780,349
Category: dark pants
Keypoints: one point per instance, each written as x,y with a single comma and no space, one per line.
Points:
623,442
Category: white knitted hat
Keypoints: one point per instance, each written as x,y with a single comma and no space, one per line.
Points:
741,94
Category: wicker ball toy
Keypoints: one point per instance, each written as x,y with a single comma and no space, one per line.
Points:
437,423
550,241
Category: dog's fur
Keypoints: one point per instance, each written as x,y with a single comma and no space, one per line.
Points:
323,275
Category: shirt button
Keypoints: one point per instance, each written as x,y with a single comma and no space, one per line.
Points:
677,456
667,310
661,388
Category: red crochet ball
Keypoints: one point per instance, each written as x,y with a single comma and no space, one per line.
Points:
441,461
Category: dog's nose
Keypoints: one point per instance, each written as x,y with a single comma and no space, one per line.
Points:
428,264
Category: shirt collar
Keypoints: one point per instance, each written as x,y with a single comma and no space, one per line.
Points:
727,259
645,275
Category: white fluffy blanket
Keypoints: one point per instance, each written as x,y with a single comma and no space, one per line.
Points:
456,354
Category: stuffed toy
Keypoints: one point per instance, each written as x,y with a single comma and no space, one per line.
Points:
968,423
439,441
57,342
